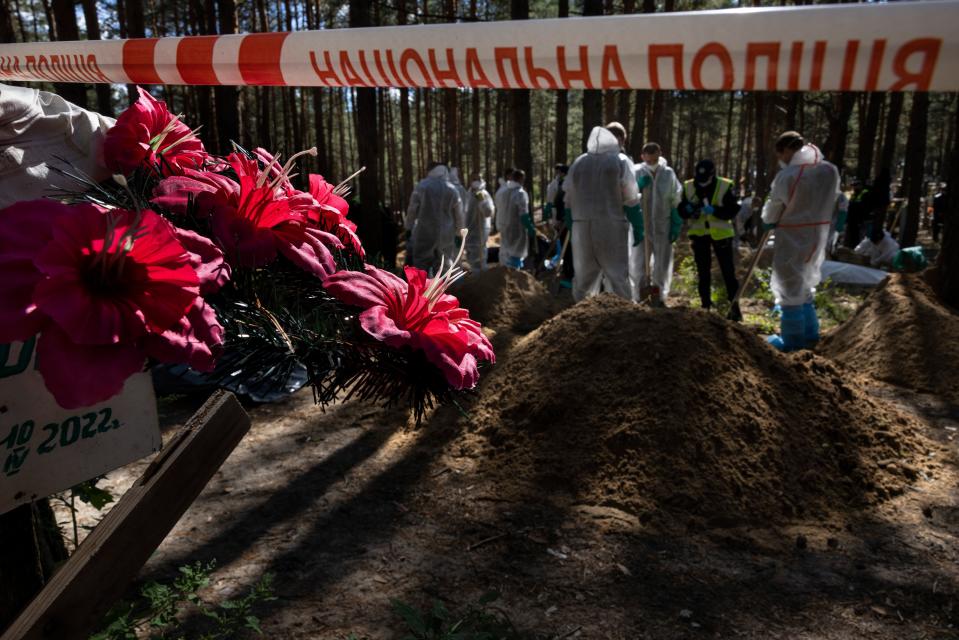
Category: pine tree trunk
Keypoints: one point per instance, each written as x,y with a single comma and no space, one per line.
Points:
948,261
134,29
915,166
867,145
762,152
886,159
727,151
104,101
561,149
65,15
369,222
834,148
592,98
7,30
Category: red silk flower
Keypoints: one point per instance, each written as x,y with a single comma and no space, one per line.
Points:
416,314
104,289
252,220
329,214
146,130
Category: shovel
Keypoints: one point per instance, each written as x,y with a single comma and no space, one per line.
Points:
647,292
749,273
558,269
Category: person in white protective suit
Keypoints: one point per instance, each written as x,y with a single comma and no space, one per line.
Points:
434,218
37,129
661,193
479,214
800,209
513,221
600,187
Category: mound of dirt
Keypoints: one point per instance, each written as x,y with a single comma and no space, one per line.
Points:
680,418
902,334
505,299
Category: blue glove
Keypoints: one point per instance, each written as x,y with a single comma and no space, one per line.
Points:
568,218
635,216
528,225
643,182
841,220
708,209
769,226
675,225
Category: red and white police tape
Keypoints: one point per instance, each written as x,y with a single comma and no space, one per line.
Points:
900,46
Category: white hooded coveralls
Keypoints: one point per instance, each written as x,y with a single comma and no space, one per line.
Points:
599,184
659,198
434,217
801,204
512,203
479,213
37,127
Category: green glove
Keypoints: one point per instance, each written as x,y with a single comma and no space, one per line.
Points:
528,225
841,220
675,224
568,218
635,216
643,182
769,226
547,211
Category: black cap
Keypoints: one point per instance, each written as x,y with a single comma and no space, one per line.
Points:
705,171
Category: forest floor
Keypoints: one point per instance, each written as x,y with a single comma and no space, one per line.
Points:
355,506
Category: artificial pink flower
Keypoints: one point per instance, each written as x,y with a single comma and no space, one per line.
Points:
104,289
417,314
253,219
329,214
147,130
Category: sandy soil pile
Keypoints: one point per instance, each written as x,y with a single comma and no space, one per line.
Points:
681,418
902,334
505,299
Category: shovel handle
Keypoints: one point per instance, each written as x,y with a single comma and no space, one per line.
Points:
752,267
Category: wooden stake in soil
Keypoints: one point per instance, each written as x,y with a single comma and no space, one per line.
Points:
75,600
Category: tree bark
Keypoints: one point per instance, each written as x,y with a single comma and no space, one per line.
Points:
7,30
65,15
227,98
886,158
520,110
948,261
104,101
592,98
834,148
135,29
560,151
915,165
369,223
867,137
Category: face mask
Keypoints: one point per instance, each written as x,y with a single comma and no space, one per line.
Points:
782,165
652,165
475,185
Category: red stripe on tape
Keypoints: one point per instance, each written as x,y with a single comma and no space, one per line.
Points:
138,61
194,59
260,58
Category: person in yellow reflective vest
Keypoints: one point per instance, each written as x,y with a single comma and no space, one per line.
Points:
709,205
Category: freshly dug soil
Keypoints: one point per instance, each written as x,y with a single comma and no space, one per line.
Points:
680,418
505,299
902,334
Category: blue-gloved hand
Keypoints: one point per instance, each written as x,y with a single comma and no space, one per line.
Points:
769,226
635,216
643,182
708,209
841,220
675,225
568,218
528,225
